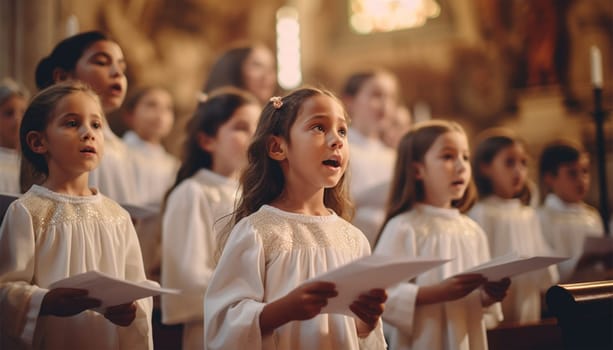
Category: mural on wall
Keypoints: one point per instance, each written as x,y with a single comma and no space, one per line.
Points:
546,42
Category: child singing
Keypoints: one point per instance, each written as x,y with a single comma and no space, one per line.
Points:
431,189
291,225
503,211
63,228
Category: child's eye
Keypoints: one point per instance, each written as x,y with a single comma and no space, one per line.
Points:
96,125
71,123
319,128
342,132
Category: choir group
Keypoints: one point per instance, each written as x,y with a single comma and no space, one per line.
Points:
270,192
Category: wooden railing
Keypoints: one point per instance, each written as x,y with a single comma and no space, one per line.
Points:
584,312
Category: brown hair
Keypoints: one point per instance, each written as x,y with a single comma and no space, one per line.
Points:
37,117
356,81
489,143
262,181
209,116
556,154
406,190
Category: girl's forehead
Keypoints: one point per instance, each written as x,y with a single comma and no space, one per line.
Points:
453,137
76,100
514,148
321,104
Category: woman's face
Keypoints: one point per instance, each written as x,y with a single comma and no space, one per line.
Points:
103,67
259,73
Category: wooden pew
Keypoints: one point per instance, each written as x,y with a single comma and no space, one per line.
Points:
584,312
534,336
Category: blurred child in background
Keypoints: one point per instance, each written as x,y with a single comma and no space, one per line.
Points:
500,164
566,220
13,101
370,98
201,202
149,112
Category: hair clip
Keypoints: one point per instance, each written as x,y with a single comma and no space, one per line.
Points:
277,102
201,97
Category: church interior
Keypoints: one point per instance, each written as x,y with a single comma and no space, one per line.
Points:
531,66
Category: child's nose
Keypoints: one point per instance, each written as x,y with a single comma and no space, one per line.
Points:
116,70
336,140
87,133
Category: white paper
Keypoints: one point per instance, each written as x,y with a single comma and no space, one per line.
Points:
110,290
371,272
597,245
513,264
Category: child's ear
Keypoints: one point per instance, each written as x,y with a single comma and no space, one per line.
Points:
276,148
60,75
418,168
37,142
206,142
548,180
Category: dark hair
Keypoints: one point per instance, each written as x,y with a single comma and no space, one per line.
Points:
228,69
406,190
489,143
208,118
37,117
262,181
557,153
65,56
356,81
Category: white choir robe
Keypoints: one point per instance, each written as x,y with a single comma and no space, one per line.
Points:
10,164
565,227
514,227
114,177
370,174
195,212
155,169
427,231
47,236
267,255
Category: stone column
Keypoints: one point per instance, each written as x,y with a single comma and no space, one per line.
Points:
28,31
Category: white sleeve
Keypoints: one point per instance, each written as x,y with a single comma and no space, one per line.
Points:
398,238
234,299
20,301
140,333
187,248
